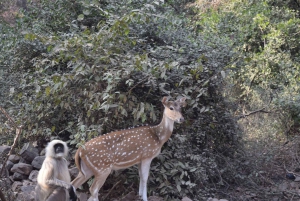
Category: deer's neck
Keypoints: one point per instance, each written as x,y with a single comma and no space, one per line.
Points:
164,129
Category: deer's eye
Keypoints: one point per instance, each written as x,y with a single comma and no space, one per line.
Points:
171,108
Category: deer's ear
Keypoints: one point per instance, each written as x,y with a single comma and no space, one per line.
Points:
182,102
165,100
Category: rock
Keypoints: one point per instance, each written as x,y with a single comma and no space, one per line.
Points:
43,152
29,152
212,199
155,198
27,189
22,160
14,158
82,196
37,162
73,172
5,182
186,199
25,196
22,168
11,178
5,171
4,149
18,176
28,183
9,165
33,175
33,194
16,186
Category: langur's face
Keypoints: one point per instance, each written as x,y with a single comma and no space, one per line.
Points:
59,149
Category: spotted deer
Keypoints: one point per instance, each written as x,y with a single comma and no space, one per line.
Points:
125,148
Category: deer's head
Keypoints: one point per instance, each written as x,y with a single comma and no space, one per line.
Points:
173,108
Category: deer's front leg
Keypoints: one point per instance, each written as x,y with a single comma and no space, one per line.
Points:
144,168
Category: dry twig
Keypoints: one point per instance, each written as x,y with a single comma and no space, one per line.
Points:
111,189
253,112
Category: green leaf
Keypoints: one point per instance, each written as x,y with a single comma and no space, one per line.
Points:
126,32
181,164
223,74
96,2
80,17
53,129
37,88
11,90
30,36
86,12
82,128
47,90
56,78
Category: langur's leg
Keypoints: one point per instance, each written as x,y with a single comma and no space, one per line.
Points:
59,194
37,193
40,193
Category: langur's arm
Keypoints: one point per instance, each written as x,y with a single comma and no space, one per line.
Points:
56,182
50,180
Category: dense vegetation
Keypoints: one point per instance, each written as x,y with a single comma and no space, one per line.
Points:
78,69
265,36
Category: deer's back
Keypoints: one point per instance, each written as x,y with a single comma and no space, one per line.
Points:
121,149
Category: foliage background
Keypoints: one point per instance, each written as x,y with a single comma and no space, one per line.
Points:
77,69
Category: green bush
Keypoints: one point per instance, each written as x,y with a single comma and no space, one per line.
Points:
85,69
266,64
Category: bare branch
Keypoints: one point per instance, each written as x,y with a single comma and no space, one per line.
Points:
143,80
111,189
253,112
8,117
18,132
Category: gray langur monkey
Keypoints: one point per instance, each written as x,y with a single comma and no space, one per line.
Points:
53,181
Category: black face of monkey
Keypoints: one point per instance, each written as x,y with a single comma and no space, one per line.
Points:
59,148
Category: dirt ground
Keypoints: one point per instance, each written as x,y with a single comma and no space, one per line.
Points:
271,172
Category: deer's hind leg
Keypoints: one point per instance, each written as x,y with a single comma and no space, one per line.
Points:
99,180
83,176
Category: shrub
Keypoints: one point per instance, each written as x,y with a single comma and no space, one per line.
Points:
77,80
